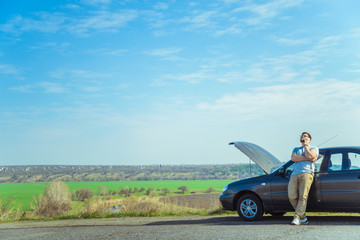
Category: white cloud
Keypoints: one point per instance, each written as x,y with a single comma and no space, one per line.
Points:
23,88
161,6
234,17
75,74
290,41
306,65
232,30
317,101
51,87
114,52
8,69
90,89
165,53
267,10
230,76
54,22
201,20
192,78
95,2
59,47
216,19
42,22
298,66
46,87
102,21
71,6
329,42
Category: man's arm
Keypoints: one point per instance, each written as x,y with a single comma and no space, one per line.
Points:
310,155
297,158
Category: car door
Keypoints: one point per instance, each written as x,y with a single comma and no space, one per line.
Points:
279,185
340,180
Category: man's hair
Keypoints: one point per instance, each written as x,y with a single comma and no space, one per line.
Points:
307,134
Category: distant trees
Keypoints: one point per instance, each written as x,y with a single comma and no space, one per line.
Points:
183,189
84,193
55,201
102,191
126,191
122,173
210,189
165,191
148,191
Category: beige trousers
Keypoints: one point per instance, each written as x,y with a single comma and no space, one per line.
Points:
298,191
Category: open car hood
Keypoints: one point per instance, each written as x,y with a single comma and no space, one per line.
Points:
266,161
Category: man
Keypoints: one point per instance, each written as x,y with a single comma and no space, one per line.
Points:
304,158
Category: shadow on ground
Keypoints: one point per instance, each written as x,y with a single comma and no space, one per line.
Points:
267,220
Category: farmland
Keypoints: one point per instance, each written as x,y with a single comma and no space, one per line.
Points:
25,192
93,187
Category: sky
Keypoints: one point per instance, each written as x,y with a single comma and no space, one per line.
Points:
131,82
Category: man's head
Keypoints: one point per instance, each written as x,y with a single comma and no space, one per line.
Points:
304,136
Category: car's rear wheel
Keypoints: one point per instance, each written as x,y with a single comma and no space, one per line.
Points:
249,208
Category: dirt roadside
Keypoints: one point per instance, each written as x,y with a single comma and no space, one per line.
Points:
187,220
193,227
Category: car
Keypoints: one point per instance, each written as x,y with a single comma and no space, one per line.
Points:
336,185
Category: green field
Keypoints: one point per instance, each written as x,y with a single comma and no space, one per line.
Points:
24,192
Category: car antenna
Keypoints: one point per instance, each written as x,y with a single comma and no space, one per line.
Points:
327,140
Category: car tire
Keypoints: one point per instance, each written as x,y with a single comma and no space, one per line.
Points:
250,208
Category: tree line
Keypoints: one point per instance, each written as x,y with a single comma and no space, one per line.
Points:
81,173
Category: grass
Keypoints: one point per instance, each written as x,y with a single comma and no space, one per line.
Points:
25,192
144,206
135,206
22,192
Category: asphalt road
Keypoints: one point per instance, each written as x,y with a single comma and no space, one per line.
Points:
214,227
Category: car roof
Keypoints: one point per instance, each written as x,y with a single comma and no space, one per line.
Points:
340,148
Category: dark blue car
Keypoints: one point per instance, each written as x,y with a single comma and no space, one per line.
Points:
336,185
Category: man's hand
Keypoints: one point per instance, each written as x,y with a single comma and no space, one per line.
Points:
297,158
306,143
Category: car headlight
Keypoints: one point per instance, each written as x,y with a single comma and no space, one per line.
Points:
225,188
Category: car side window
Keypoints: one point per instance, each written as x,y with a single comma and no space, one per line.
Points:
354,158
343,161
335,162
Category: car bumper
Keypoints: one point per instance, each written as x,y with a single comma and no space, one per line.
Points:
227,201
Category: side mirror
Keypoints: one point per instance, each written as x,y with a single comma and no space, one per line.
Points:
281,172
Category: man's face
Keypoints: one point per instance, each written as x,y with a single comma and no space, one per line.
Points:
304,137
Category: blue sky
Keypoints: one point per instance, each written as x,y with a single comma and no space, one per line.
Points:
172,82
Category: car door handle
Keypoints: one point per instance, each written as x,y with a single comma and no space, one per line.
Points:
358,176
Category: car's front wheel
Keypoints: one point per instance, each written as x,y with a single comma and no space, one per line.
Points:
249,208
